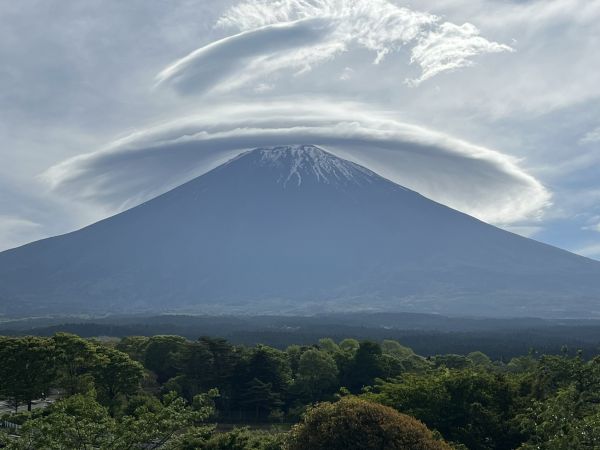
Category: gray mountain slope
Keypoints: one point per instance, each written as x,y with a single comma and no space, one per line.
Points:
295,229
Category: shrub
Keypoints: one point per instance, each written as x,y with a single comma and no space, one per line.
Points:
244,439
352,423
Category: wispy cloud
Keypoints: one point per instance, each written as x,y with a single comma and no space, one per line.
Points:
471,178
16,230
593,224
451,47
591,251
235,60
591,136
524,230
298,34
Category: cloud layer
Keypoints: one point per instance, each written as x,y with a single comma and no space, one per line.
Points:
470,178
298,34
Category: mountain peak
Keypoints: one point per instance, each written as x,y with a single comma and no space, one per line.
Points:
298,164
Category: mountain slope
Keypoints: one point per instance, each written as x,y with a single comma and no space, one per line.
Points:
295,229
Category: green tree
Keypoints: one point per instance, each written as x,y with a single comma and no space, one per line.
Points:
260,398
205,364
134,346
317,375
242,439
344,359
260,367
75,423
195,366
398,359
74,359
116,377
161,356
480,359
80,423
353,424
395,349
4,439
159,427
416,364
563,409
553,372
451,361
349,346
470,407
270,365
328,345
391,366
294,352
224,361
522,364
424,397
365,368
562,422
26,369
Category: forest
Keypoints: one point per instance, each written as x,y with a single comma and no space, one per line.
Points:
170,392
426,334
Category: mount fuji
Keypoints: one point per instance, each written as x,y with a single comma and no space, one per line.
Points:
294,229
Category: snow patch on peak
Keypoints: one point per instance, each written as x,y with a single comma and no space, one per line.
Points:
299,162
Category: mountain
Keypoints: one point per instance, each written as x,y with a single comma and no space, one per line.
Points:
295,229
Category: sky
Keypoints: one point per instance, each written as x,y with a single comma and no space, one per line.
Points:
491,107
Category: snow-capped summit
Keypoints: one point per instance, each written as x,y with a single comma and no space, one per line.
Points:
295,229
300,163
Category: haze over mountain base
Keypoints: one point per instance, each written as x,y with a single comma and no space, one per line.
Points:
295,230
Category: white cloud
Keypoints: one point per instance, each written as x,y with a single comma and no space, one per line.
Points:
467,177
555,64
590,251
15,231
593,224
451,47
235,60
590,137
298,34
524,230
346,74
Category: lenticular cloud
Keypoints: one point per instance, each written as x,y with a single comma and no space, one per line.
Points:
270,36
467,177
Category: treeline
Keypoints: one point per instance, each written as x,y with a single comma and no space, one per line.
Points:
426,334
163,391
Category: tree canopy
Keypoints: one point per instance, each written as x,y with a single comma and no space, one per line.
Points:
166,391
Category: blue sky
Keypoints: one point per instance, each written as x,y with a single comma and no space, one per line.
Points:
489,106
